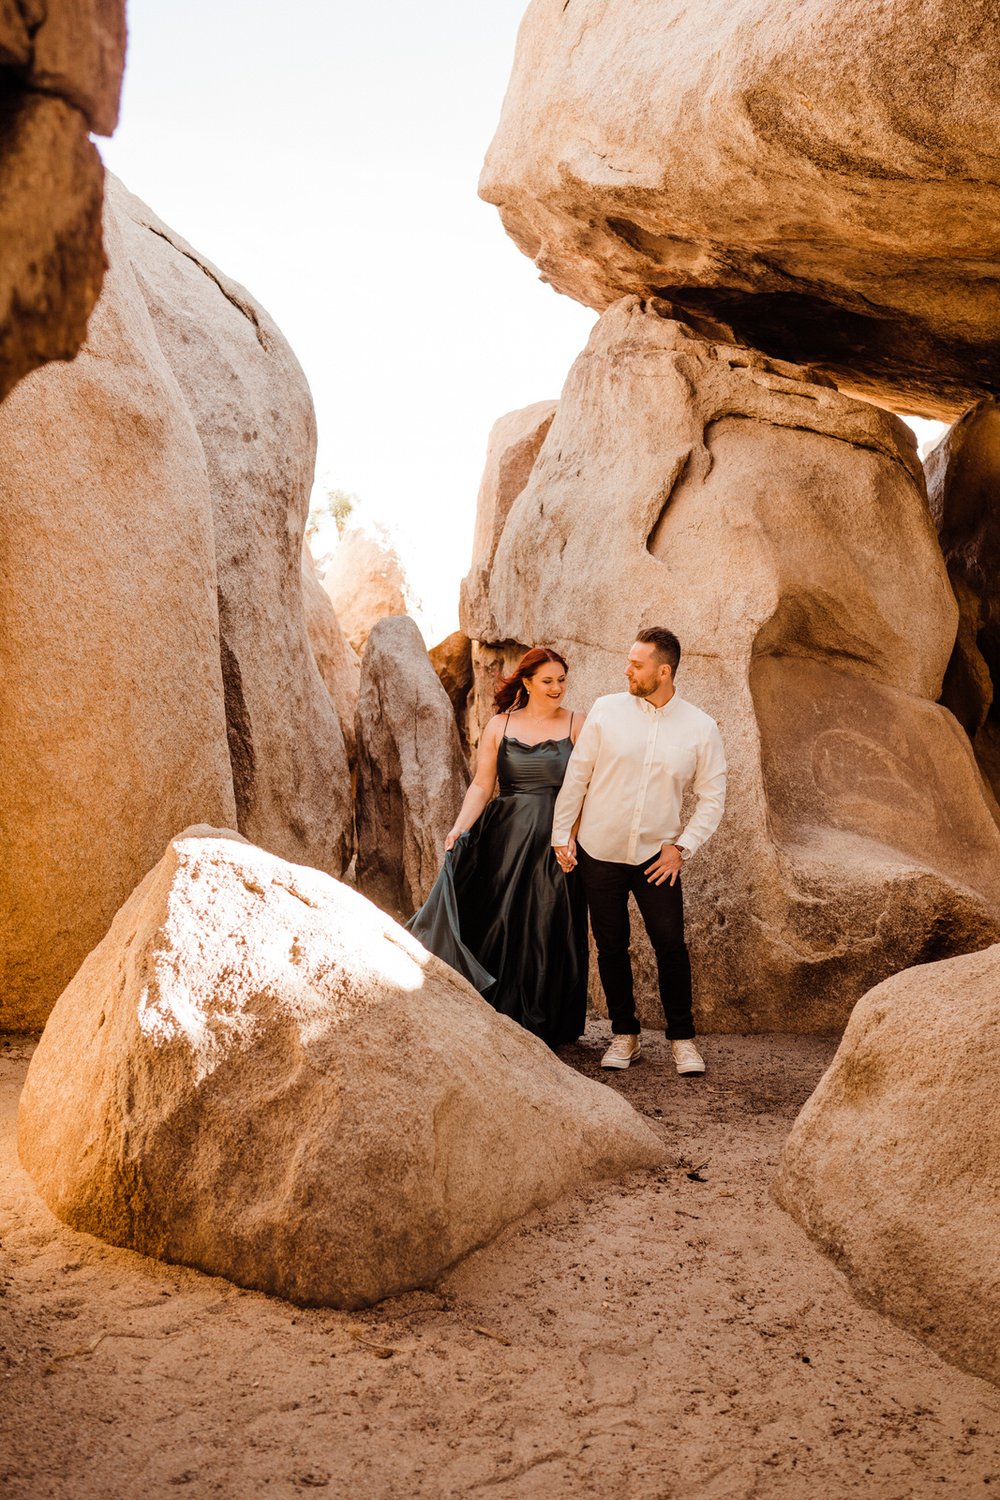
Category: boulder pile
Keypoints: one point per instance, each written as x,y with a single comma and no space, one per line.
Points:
782,530
778,209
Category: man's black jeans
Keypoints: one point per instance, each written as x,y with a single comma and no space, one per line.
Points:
607,886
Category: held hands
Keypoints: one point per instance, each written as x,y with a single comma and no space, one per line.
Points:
566,855
667,866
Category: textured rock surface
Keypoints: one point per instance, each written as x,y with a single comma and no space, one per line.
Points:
452,661
154,662
259,1074
893,1166
111,696
366,582
411,773
254,415
963,491
781,529
513,446
823,177
338,662
60,74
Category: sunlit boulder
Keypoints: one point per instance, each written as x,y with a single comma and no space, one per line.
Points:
258,1074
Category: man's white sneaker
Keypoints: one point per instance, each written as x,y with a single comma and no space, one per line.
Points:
623,1050
687,1058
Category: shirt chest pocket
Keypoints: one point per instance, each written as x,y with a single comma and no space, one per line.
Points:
680,761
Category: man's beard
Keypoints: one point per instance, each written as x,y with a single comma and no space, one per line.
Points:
640,692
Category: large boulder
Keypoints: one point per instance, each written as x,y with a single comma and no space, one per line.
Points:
963,492
366,583
820,176
60,75
893,1166
781,529
154,663
111,694
251,406
338,662
411,773
513,446
258,1074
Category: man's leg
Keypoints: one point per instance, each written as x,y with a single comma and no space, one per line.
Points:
662,910
606,886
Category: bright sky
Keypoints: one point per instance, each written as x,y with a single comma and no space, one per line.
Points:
327,157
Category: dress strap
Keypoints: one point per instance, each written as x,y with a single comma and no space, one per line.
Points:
572,716
506,722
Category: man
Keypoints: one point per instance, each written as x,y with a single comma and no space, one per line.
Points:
636,756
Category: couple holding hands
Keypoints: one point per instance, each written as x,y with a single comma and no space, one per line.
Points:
588,811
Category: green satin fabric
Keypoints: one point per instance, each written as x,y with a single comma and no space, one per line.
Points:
503,913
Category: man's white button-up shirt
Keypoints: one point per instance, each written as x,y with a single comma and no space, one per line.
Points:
629,771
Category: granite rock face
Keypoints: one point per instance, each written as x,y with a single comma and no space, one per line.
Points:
452,661
258,1074
411,773
154,663
60,75
781,529
893,1166
338,662
963,492
820,177
513,446
111,694
251,405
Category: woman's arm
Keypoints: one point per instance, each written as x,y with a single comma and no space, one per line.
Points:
481,788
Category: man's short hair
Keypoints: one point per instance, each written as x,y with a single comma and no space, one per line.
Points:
663,641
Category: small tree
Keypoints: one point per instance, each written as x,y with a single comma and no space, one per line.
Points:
338,506
341,505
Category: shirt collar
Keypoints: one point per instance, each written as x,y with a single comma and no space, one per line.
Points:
648,708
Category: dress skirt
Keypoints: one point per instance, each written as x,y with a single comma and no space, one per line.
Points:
503,913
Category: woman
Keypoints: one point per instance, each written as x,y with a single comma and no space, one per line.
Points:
502,912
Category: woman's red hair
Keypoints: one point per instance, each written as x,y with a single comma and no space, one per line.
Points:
510,689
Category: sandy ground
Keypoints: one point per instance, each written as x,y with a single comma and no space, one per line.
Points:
673,1337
